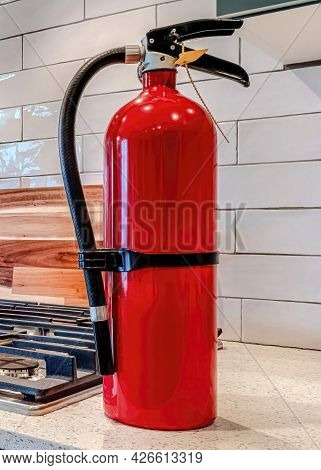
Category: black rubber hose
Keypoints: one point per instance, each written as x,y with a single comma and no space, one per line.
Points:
75,195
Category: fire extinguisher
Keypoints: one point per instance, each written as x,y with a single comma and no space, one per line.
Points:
154,316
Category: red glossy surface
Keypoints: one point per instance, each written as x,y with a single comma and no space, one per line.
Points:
159,192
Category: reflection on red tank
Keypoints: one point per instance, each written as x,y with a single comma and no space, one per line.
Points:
160,189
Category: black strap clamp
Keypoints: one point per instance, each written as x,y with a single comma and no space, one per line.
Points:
123,260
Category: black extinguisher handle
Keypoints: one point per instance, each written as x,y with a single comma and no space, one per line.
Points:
192,30
221,68
168,40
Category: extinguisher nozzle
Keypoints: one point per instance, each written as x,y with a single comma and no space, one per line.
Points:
105,365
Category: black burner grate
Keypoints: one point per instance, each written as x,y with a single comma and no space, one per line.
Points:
60,338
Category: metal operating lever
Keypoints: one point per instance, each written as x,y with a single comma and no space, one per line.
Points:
166,43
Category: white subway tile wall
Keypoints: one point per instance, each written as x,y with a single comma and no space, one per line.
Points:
8,27
227,149
282,323
226,232
37,85
271,277
291,232
95,112
269,223
2,2
184,10
48,181
56,180
25,16
270,185
10,183
82,40
260,141
11,55
229,318
32,157
10,125
258,57
96,8
270,94
40,121
93,153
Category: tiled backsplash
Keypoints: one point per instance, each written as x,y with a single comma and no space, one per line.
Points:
270,172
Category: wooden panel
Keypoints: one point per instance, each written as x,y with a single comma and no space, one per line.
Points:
38,251
6,277
6,294
20,200
76,302
43,225
36,214
66,283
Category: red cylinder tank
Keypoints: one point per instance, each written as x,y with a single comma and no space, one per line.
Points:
160,192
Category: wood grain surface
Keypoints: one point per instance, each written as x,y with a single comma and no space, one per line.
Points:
38,253
43,225
18,199
38,250
49,282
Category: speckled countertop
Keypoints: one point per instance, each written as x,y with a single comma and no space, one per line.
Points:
269,398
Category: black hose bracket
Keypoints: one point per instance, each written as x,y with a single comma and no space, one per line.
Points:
123,260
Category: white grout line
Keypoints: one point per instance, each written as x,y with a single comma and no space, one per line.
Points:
268,300
85,20
241,332
288,255
22,52
285,162
288,208
235,232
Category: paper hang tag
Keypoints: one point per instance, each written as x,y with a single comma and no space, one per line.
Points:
190,56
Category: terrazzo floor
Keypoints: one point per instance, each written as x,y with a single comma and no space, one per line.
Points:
269,398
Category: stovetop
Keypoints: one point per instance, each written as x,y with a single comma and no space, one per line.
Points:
47,357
